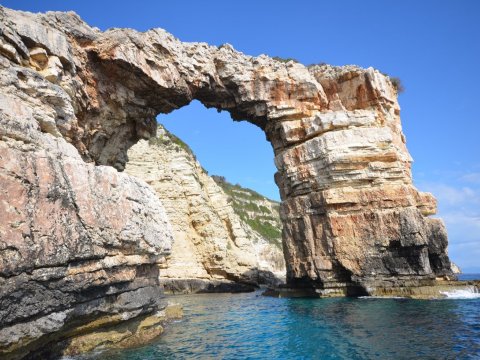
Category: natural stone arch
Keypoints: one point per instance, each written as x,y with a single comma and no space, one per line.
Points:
352,218
146,81
87,240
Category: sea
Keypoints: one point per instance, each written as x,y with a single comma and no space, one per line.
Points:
252,326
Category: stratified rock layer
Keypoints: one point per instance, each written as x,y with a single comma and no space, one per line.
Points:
353,221
213,247
78,242
352,218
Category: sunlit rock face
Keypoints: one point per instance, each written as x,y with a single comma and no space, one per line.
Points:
352,218
80,244
74,231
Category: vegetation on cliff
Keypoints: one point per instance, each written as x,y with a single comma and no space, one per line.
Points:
259,212
168,137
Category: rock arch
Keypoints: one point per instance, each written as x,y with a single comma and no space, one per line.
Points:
353,220
80,245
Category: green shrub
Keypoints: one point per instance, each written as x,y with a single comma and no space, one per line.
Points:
158,141
176,140
219,179
264,209
285,60
267,230
397,84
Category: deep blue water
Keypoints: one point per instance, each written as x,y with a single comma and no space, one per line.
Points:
250,326
469,277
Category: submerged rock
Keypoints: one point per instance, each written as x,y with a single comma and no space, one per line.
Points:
125,333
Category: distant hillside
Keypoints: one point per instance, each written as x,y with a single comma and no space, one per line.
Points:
259,212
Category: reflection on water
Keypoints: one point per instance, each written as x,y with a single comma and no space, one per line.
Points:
381,328
249,326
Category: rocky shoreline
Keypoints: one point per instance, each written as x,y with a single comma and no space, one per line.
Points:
104,333
426,290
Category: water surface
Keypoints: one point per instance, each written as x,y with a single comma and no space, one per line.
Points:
250,326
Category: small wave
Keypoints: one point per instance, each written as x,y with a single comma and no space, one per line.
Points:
469,293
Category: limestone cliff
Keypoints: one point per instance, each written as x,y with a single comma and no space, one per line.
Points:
80,243
213,247
262,216
355,221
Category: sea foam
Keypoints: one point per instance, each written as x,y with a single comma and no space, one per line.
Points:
468,293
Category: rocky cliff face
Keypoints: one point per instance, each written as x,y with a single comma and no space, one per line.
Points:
261,215
353,220
213,247
79,244
79,241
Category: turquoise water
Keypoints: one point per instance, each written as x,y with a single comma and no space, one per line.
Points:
250,326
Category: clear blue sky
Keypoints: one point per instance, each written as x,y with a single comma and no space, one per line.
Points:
433,46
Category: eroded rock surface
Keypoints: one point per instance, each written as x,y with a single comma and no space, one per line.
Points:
213,247
79,240
354,219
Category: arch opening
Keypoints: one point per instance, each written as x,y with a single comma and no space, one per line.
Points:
236,150
227,236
